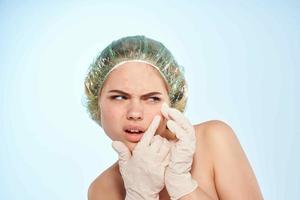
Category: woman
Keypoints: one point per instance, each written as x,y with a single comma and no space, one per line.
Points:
136,92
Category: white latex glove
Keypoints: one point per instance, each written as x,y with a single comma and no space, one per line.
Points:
143,171
178,179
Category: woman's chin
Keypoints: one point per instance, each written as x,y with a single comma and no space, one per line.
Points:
130,145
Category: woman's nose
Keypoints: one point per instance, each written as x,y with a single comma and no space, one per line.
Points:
135,111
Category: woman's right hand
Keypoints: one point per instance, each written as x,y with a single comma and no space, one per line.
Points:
143,171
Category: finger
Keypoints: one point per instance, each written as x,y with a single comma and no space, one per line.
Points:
165,148
179,118
164,110
146,139
173,143
156,142
166,160
180,133
122,150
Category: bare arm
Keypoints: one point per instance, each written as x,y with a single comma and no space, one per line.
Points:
107,186
96,191
197,194
234,177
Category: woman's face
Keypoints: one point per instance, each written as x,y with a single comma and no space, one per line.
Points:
130,98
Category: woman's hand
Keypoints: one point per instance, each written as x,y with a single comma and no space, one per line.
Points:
143,171
178,179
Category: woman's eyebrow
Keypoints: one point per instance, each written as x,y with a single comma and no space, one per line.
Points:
144,95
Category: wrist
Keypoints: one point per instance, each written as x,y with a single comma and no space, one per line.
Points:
179,185
132,194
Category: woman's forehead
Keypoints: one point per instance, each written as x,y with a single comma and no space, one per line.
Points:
146,93
137,86
135,78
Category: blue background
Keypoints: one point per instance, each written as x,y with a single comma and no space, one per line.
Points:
241,62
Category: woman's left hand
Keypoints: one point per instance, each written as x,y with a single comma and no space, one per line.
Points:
178,179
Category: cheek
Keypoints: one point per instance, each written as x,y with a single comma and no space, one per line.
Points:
110,114
151,111
162,130
107,108
111,122
151,114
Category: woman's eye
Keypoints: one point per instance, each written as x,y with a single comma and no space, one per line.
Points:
155,99
118,97
121,97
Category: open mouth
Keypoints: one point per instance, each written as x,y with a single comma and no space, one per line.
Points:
134,131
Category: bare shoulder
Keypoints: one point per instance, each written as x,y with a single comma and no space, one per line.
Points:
106,186
218,136
214,128
215,135
232,172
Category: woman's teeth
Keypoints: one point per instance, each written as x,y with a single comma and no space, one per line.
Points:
134,131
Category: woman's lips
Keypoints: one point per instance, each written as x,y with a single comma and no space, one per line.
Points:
133,137
133,133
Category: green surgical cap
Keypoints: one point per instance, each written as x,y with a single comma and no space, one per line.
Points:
135,48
